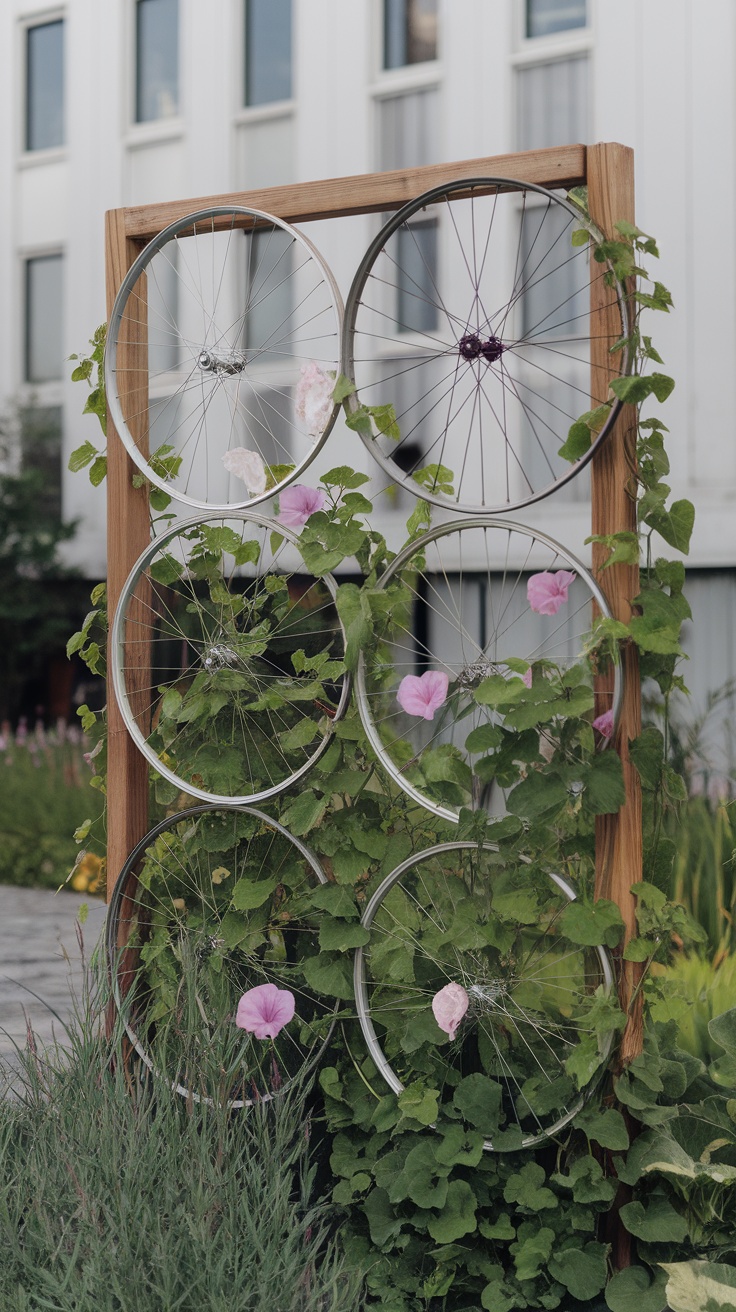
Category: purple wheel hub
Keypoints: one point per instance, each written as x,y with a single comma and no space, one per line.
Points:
472,347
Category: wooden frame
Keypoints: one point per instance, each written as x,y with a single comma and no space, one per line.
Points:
608,171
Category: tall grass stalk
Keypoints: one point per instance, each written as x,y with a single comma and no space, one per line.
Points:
115,1196
704,870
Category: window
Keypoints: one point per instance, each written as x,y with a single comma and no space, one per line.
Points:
552,104
44,120
546,16
270,288
157,60
416,301
267,51
408,129
43,324
409,32
40,434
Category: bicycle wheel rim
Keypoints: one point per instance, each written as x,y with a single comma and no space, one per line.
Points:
218,385
529,1048
274,720
475,617
481,379
151,939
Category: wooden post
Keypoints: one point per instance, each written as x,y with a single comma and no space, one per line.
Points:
127,535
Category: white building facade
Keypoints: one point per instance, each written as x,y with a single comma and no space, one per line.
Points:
121,102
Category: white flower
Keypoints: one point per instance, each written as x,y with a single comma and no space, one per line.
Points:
248,466
314,403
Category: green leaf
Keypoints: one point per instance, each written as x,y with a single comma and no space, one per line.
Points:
385,421
82,456
81,831
526,1188
458,1214
723,1030
658,1222
604,791
700,1286
607,1127
330,975
537,795
634,1290
419,1103
167,569
421,1179
674,525
301,735
593,923
98,471
382,1220
342,936
344,476
343,387
251,893
581,1270
478,1099
304,813
336,901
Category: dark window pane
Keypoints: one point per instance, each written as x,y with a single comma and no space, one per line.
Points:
267,51
409,32
416,274
40,430
45,86
545,16
157,59
44,351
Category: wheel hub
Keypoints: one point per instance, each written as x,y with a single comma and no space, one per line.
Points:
213,362
472,675
471,347
486,996
218,657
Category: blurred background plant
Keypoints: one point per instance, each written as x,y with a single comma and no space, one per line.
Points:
45,796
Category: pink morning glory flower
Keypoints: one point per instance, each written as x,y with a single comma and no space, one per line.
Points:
449,1007
297,503
604,724
423,694
314,403
265,1010
526,677
547,592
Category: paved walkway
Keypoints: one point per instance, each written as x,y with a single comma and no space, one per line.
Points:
40,961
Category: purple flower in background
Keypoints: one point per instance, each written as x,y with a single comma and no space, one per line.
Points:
297,503
265,1010
423,694
449,1007
314,403
604,724
547,592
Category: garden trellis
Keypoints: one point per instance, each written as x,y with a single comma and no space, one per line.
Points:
607,171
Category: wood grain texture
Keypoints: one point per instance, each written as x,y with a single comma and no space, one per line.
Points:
613,490
127,535
367,193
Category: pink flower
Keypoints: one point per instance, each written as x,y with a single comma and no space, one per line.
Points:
449,1007
297,503
547,592
314,402
248,466
423,694
604,724
526,677
265,1010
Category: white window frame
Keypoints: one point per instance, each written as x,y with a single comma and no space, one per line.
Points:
50,391
48,155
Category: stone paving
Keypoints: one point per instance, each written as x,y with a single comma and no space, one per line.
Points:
40,961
